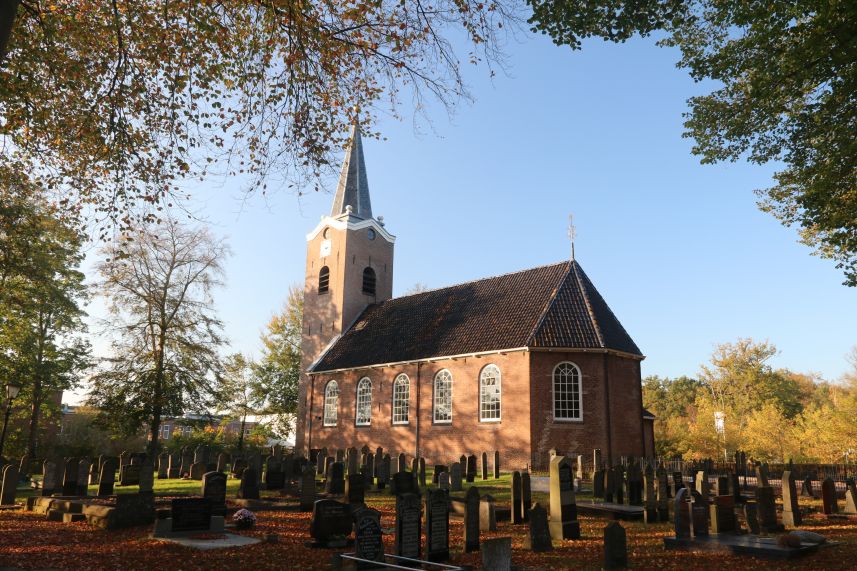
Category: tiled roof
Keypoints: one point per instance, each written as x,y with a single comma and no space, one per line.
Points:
549,306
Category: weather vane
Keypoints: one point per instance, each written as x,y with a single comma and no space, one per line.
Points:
572,233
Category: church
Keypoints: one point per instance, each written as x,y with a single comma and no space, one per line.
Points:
522,363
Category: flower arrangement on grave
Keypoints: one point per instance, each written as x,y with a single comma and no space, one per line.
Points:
244,519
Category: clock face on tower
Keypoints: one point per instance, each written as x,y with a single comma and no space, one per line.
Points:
370,234
325,249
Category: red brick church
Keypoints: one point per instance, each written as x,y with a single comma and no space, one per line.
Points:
522,363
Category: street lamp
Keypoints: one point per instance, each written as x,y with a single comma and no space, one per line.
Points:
11,392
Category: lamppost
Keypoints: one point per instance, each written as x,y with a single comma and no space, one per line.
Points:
11,393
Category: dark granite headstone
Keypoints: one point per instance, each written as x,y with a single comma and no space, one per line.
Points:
828,497
471,520
408,526
539,538
331,522
497,554
471,468
438,468
404,483
108,477
751,516
355,489
496,464
129,475
722,515
69,481
163,465
526,496
147,477
455,477
191,514
221,463
249,487
214,488
83,477
615,546
335,483
484,466
368,539
517,516
650,501
698,514
766,504
681,514
663,495
174,469
10,485
598,483
437,525
307,499
806,487
49,478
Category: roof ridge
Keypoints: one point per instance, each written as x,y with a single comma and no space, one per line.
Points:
548,305
432,290
588,303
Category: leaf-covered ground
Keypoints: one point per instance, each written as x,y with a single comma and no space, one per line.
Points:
30,541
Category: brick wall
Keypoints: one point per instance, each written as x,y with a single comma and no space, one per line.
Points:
438,443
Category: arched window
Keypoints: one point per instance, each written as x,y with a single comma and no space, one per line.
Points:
323,280
443,396
369,281
331,403
364,402
566,392
401,399
489,394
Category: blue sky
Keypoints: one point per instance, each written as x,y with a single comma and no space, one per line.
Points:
679,250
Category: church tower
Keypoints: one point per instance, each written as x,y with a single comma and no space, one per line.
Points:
349,265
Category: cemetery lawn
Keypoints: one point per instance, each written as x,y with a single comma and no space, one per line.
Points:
30,541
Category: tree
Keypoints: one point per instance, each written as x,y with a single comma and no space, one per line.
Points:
164,357
278,371
786,77
117,102
41,290
239,394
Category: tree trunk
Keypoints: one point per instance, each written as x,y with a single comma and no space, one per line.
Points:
241,433
33,437
8,12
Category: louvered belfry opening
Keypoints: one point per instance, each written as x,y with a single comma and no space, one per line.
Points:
369,281
324,280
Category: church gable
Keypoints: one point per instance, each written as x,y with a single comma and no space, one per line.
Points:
579,317
549,306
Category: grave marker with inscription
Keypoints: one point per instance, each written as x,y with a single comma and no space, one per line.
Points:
408,526
437,525
471,520
368,540
539,537
563,506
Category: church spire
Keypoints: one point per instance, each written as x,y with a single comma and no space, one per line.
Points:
353,187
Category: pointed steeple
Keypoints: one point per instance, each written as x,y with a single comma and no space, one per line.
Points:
353,187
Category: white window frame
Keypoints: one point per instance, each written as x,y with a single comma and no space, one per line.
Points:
576,378
363,400
483,377
165,431
330,413
437,395
401,399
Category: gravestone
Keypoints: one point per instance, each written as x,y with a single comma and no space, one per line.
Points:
650,502
353,461
677,482
517,516
146,480
563,506
174,470
615,546
526,496
443,481
580,467
129,475
49,478
422,468
598,483
221,463
681,514
379,455
487,513
248,489
698,514
191,514
368,540
751,516
610,485
9,486
484,466
722,514
497,554
335,483
214,489
471,469
791,510
437,525
368,471
238,467
402,464
438,469
320,461
539,537
806,487
496,464
83,468
828,497
850,498
355,489
721,486
163,465
455,477
619,479
404,483
107,478
24,466
124,459
635,485
69,481
767,509
328,462
703,488
94,470
340,455
408,526
761,475
383,472
415,470
471,520
331,522
307,498
187,461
